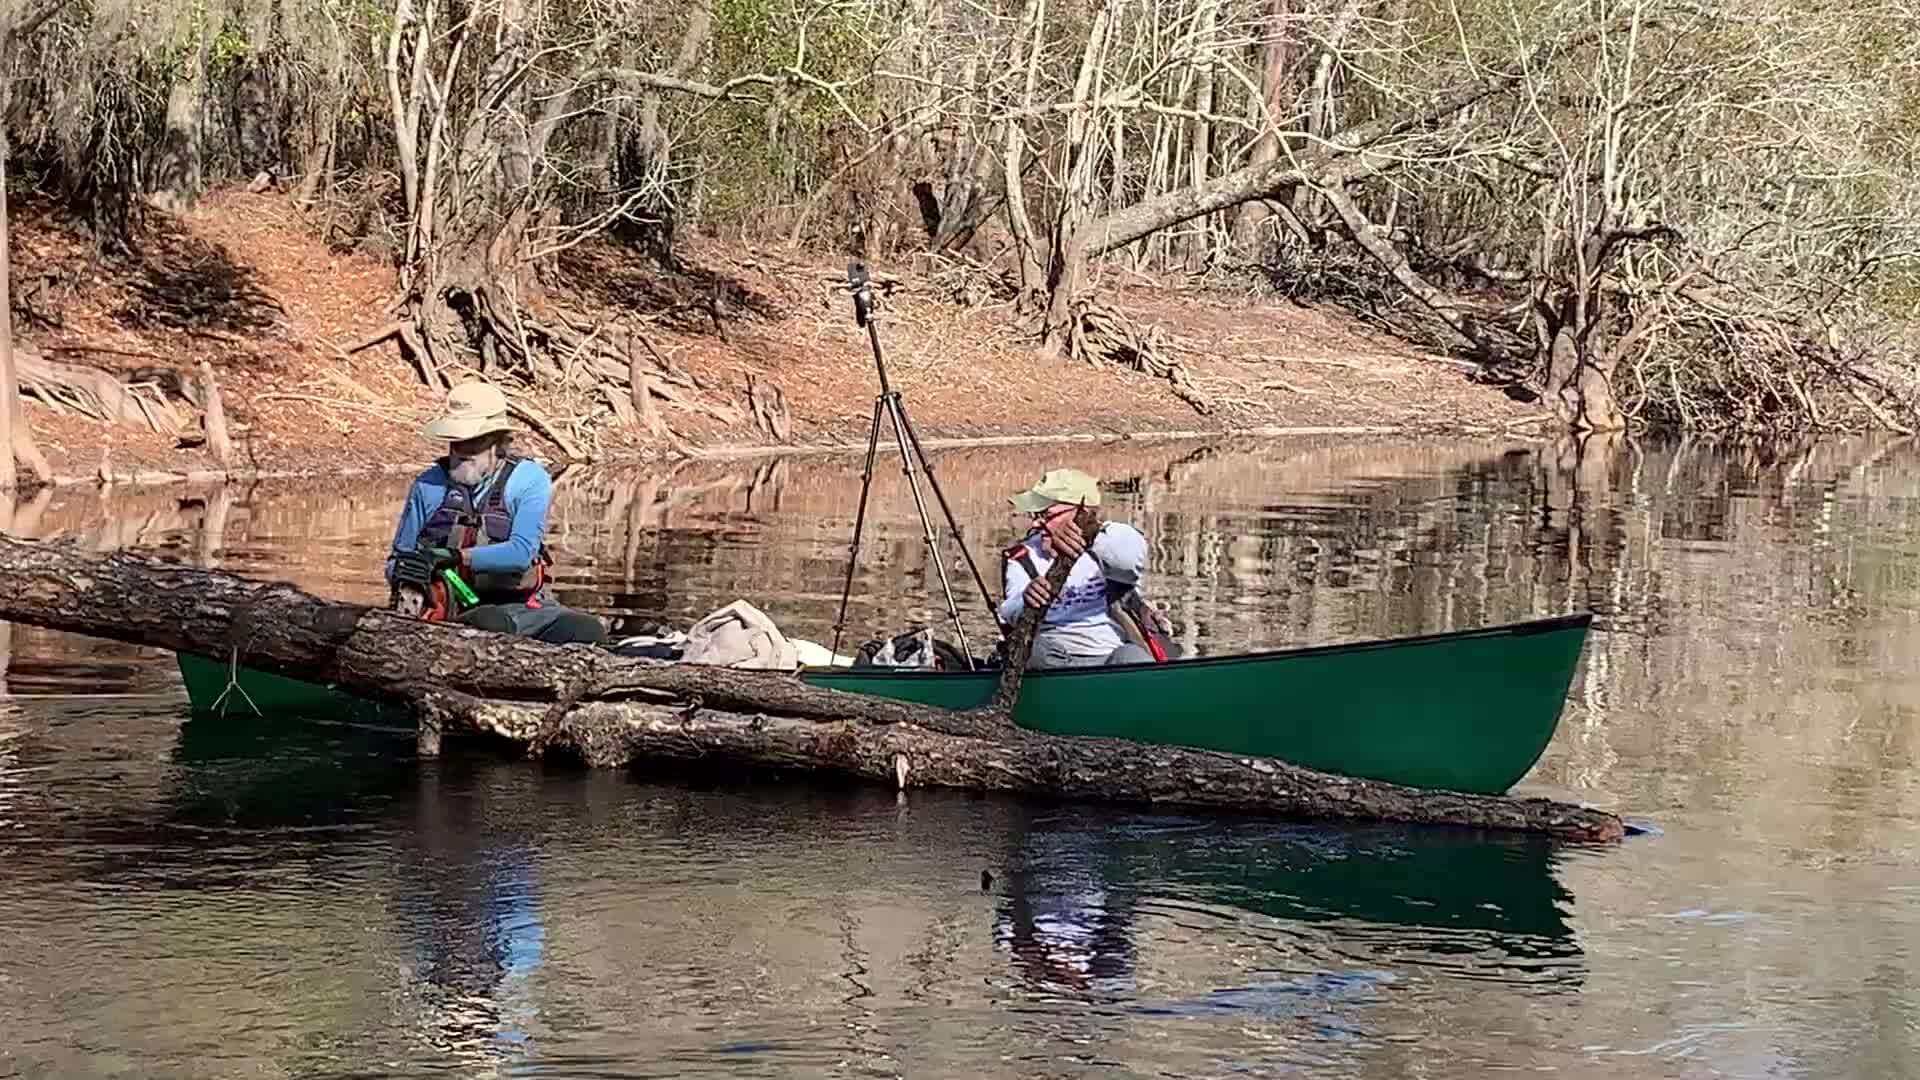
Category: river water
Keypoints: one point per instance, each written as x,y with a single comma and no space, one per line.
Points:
241,897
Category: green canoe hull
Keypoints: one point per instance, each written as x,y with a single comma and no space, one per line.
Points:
1468,711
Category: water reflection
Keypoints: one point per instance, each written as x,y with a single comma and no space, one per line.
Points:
465,892
468,901
306,899
1476,905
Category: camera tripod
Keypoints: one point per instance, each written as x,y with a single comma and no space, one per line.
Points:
889,406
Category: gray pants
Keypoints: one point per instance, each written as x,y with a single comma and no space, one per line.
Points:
551,622
1051,652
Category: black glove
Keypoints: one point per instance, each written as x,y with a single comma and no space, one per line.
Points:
419,566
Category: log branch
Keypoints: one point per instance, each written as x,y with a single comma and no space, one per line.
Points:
612,734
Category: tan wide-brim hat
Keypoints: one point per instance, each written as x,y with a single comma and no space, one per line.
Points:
473,409
1059,486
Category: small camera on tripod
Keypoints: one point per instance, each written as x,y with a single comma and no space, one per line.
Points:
862,294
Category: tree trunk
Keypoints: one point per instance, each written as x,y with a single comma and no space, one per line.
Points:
653,140
469,192
1067,263
1276,81
1200,144
216,418
177,179
966,197
1579,383
1322,117
257,120
316,161
14,432
1033,28
407,97
9,385
613,710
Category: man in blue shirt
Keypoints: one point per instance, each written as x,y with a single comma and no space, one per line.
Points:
481,512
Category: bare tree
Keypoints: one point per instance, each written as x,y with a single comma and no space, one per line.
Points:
1649,212
16,438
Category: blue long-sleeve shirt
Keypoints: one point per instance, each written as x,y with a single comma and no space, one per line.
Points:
529,493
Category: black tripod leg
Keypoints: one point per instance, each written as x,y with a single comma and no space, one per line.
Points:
914,436
859,522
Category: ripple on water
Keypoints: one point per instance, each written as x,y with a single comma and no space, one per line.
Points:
196,897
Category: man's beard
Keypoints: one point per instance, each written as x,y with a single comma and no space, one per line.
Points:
468,471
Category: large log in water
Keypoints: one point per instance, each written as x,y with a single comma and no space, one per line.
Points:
613,710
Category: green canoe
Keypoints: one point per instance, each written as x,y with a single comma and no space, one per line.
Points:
1465,711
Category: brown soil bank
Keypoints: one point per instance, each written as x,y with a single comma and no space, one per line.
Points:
244,283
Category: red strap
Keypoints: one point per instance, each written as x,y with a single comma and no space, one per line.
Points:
1021,554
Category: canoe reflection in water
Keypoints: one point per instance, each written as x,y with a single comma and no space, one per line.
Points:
1347,906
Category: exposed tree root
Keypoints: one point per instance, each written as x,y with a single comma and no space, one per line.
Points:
770,412
93,393
606,370
1102,334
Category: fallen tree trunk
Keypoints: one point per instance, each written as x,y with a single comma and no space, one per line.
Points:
614,710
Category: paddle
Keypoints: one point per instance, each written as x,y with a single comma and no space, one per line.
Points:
1020,640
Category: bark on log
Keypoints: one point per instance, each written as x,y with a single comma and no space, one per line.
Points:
614,710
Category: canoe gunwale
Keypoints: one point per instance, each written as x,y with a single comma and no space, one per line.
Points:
1526,628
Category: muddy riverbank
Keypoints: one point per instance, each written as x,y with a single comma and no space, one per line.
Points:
244,283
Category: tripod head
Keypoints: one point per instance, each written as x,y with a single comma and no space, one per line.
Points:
862,289
858,285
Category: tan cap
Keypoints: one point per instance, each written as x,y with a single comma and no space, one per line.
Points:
1059,486
473,409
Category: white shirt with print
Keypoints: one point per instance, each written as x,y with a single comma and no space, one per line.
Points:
1077,622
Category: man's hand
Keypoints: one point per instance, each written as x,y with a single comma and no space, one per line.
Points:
418,567
1039,594
1064,535
413,568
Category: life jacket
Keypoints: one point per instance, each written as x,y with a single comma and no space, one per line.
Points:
459,522
1139,622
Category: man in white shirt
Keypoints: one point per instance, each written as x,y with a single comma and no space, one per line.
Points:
1077,630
